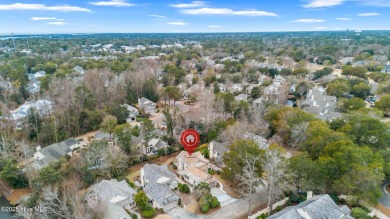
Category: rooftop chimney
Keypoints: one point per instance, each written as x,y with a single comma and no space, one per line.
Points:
309,195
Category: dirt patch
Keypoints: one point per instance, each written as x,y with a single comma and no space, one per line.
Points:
17,194
163,216
383,210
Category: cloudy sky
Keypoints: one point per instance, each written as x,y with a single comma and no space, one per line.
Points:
139,16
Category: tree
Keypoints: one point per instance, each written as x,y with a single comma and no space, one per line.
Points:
124,135
301,168
13,175
216,88
249,180
359,213
120,112
141,200
255,92
301,72
46,176
361,90
201,190
50,67
354,71
338,88
352,104
234,159
172,92
384,104
275,165
318,135
109,123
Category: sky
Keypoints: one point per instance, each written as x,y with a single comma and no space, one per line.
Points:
162,16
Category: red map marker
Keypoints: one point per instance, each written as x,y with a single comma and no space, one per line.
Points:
190,140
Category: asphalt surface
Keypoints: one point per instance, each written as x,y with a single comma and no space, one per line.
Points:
385,199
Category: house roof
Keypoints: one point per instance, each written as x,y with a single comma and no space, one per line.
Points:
220,147
319,207
144,101
154,173
196,173
114,211
54,152
195,160
155,142
102,135
161,193
113,191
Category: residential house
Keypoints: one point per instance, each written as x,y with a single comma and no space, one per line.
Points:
112,192
54,152
241,97
318,207
154,145
158,182
146,105
271,93
194,169
322,105
257,102
259,140
115,211
194,89
133,113
39,74
235,88
217,150
386,69
100,135
278,80
79,69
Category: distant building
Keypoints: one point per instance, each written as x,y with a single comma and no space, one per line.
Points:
320,104
146,105
386,69
154,145
133,113
217,150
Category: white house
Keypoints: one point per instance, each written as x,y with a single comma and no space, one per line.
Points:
194,169
386,69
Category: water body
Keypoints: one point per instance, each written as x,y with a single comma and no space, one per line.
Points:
4,203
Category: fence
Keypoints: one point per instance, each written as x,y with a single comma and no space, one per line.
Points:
265,210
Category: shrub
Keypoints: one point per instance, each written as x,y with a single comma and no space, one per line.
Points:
214,202
211,171
184,188
204,208
359,213
134,216
148,212
279,208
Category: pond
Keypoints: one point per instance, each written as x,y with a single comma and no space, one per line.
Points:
4,203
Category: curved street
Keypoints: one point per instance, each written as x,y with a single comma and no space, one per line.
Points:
385,199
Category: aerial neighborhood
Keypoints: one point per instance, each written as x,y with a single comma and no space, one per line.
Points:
289,127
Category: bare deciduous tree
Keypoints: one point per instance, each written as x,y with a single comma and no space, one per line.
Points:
249,180
275,166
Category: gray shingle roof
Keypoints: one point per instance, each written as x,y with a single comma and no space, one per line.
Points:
54,152
161,193
158,180
318,207
108,189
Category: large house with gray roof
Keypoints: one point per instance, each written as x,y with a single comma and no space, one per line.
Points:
146,105
54,152
322,105
112,192
317,207
158,182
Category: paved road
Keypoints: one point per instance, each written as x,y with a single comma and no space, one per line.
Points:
385,199
180,213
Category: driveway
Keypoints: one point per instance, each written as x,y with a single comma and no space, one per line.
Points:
385,199
239,208
222,197
180,213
